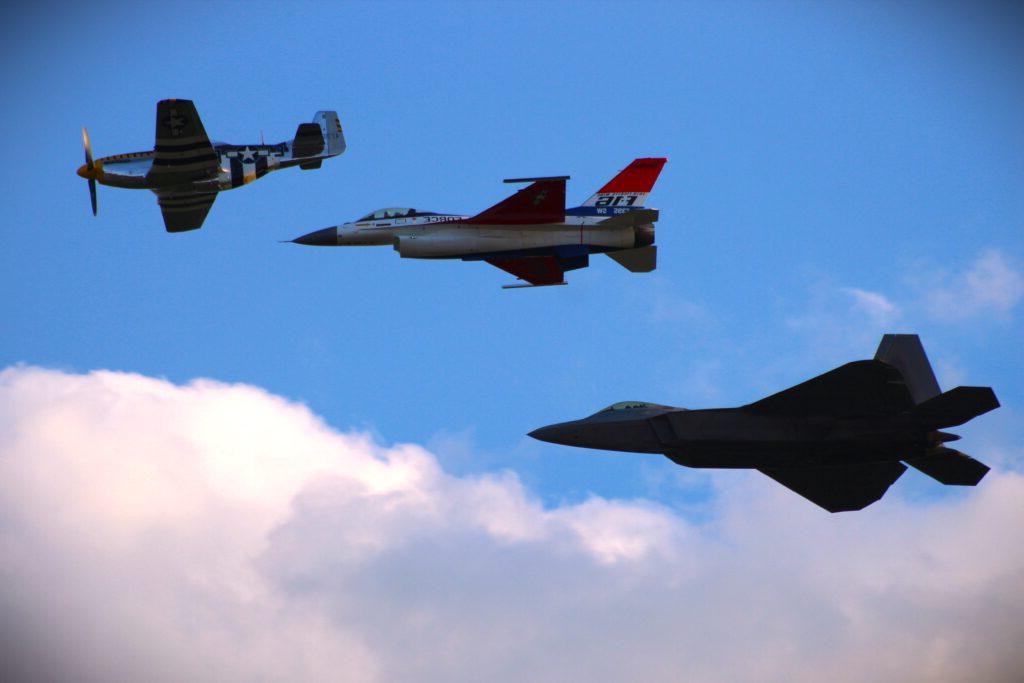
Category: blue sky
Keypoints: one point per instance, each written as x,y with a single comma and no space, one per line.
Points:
836,171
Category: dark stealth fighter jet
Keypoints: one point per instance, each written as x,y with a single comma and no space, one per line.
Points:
837,440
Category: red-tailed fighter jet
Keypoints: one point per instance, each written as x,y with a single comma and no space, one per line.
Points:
531,234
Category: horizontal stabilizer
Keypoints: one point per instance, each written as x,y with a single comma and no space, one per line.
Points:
642,260
839,488
957,406
950,467
631,219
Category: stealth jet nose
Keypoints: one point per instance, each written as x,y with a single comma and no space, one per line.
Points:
563,433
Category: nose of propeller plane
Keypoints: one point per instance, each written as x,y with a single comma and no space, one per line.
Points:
328,237
96,173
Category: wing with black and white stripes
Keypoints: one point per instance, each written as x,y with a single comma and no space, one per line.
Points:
183,151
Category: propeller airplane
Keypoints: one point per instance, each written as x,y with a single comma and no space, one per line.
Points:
186,171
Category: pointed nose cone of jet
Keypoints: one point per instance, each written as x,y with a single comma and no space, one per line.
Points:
565,433
328,237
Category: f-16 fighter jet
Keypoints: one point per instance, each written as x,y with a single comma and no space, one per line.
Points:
837,440
186,170
530,234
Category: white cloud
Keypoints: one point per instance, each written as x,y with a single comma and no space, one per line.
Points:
842,323
992,284
876,306
154,532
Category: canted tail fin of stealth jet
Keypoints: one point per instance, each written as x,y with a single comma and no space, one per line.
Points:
629,189
319,140
941,409
948,409
905,353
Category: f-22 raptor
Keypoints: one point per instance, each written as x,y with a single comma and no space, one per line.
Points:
530,234
186,170
839,440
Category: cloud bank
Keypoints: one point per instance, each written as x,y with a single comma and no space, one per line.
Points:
993,284
212,532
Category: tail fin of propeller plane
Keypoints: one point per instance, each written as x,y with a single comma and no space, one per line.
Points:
631,186
318,140
330,126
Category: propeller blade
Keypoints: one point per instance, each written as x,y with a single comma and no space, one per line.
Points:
90,166
88,148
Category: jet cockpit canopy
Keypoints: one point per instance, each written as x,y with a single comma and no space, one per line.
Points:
394,212
630,405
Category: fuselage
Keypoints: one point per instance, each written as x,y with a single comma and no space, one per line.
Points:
239,165
740,438
418,234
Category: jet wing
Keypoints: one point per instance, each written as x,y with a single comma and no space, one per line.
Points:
542,201
185,210
839,488
537,270
183,151
864,387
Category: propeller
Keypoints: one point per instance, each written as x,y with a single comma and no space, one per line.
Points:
91,168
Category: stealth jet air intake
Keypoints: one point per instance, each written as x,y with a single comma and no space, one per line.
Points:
839,440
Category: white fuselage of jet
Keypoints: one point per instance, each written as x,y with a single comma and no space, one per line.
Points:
431,235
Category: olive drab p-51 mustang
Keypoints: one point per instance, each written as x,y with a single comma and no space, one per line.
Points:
531,234
186,170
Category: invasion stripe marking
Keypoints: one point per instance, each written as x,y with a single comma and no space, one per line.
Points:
186,207
184,147
164,161
181,141
185,198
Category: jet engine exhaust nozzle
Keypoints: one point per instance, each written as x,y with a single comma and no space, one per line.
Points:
644,235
